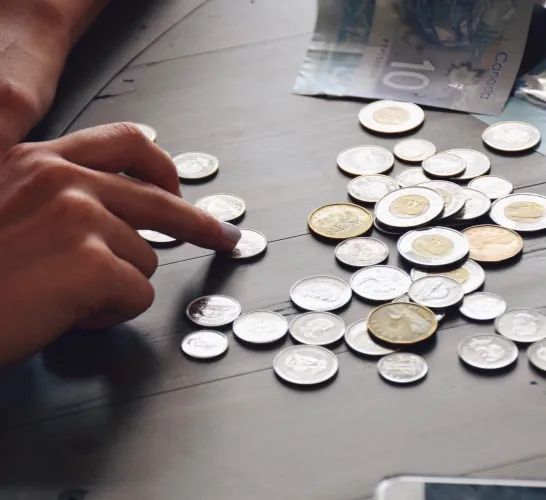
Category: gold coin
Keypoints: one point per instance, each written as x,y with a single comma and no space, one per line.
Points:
339,221
402,323
410,205
432,245
489,243
524,211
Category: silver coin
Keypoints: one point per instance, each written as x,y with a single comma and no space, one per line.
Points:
511,136
321,293
410,177
371,188
537,355
361,252
260,327
391,117
361,160
522,325
305,364
380,283
482,306
155,237
488,352
433,247
389,231
213,310
252,243
521,212
414,150
195,165
444,165
409,207
148,131
225,207
436,292
402,367
205,344
359,340
470,275
317,328
405,298
453,195
492,186
476,163
477,205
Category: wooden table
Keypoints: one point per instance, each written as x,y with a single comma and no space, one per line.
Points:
122,414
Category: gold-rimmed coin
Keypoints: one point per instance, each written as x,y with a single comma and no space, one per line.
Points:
489,243
339,221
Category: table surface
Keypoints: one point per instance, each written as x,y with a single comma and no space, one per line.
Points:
121,414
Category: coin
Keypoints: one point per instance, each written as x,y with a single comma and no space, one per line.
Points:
410,177
305,364
390,231
155,237
391,117
195,165
488,352
205,344
371,188
339,221
511,136
360,160
522,325
148,131
405,298
433,247
414,150
252,243
470,275
213,310
537,355
402,323
321,293
317,328
361,252
409,207
359,340
490,243
380,283
482,306
225,207
453,195
402,367
477,204
492,186
260,327
522,212
476,163
436,292
444,165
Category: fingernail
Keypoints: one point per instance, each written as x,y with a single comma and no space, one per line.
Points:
231,232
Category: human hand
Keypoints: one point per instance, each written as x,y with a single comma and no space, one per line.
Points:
69,252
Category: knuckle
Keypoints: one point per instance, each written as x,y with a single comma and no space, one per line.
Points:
51,174
75,207
16,96
21,153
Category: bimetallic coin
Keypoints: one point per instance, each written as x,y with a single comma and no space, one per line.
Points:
251,244
371,188
389,231
409,207
477,204
414,150
260,327
359,340
380,283
433,247
444,165
470,275
453,195
537,355
305,364
488,352
391,117
511,136
490,243
361,160
155,237
492,186
148,131
482,306
317,328
321,293
524,212
361,252
213,310
410,177
225,207
193,166
204,344
339,221
402,323
402,367
405,298
436,292
476,163
522,325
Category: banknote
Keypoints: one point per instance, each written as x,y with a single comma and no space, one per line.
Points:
454,54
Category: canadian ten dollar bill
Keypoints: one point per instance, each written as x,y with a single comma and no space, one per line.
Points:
455,54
